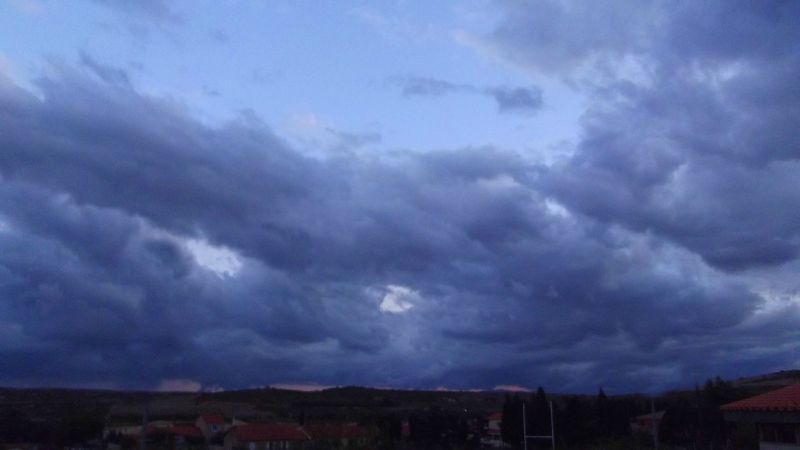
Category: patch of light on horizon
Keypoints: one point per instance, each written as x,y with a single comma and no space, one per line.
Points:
312,387
223,261
179,385
511,388
398,299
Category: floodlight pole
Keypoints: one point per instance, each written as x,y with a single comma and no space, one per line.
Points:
552,427
552,435
143,433
524,427
653,422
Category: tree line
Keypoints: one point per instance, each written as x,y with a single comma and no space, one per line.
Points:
690,420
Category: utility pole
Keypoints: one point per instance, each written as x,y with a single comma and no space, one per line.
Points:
143,433
552,427
653,422
524,427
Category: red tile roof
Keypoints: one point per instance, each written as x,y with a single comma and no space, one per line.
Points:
260,432
335,431
783,399
213,419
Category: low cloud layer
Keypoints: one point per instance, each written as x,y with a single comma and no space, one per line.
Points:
144,248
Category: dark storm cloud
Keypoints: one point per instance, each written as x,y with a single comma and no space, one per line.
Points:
508,99
697,144
625,264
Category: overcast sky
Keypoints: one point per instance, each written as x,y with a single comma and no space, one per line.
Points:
411,194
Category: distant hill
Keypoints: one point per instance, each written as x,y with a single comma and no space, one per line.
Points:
350,402
768,381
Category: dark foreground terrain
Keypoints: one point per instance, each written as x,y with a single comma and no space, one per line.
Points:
69,418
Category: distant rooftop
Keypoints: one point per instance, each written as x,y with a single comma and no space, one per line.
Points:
784,399
213,419
269,432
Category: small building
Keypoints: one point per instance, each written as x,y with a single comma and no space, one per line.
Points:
776,414
267,436
494,431
211,424
647,423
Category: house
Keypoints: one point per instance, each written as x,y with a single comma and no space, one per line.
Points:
211,425
337,435
494,432
267,436
121,430
647,423
776,415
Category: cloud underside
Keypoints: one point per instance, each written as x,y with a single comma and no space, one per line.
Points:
527,100
627,264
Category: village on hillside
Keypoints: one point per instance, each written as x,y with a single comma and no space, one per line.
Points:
754,413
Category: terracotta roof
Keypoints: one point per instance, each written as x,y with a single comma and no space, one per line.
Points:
260,432
213,419
784,399
336,431
495,416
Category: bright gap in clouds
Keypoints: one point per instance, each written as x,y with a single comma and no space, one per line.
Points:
223,261
398,299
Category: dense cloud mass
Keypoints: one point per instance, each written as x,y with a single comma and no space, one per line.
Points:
140,244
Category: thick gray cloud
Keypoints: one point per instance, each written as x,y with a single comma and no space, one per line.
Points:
637,262
696,142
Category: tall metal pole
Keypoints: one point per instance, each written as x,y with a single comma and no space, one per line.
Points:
552,427
653,422
143,433
524,427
